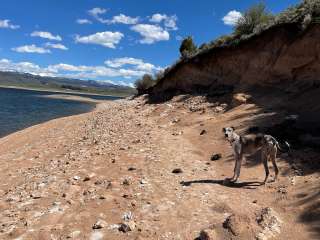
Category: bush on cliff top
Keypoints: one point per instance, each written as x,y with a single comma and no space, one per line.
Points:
187,47
143,84
252,18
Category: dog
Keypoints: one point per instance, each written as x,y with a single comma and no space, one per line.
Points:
249,144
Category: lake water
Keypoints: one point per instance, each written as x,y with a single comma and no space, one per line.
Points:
20,109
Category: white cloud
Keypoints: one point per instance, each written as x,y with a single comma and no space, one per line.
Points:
25,67
232,18
6,24
96,12
170,22
136,68
106,39
138,64
179,38
151,33
157,17
83,21
56,46
121,18
46,35
31,49
119,62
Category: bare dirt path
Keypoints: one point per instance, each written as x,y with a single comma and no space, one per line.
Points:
109,175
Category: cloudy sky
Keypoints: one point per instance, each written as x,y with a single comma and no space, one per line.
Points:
109,40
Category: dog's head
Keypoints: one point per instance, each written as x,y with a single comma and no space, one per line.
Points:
228,132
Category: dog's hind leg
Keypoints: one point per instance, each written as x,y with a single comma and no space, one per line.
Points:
273,156
237,168
264,160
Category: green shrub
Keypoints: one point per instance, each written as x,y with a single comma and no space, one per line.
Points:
143,84
187,47
252,18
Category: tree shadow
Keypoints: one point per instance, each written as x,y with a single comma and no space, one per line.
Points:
246,185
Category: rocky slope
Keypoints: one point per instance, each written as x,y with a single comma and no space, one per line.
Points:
131,170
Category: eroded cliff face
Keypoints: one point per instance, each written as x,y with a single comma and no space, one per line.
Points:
282,56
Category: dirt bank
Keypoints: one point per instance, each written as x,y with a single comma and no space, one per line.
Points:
108,174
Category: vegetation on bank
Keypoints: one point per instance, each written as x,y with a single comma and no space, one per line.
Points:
253,22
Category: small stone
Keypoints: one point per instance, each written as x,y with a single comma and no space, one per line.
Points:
131,169
76,177
74,234
207,234
215,157
127,227
99,224
126,182
127,216
177,171
86,179
35,195
143,181
203,132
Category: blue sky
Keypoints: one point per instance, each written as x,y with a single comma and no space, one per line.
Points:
109,40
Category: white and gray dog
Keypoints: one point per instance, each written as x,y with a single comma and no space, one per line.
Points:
249,144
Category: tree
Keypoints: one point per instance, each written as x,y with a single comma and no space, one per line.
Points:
254,16
144,83
187,47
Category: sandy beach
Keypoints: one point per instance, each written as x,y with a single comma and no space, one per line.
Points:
129,170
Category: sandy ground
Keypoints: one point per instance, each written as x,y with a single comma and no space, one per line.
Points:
108,174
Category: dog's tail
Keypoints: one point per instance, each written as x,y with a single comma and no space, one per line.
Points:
286,144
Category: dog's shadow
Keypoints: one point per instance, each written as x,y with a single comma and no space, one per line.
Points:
246,185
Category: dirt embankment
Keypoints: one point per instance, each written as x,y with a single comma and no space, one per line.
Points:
283,58
131,170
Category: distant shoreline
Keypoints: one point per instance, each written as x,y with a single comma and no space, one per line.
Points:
59,91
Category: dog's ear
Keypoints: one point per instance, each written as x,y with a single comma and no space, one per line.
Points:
233,128
223,129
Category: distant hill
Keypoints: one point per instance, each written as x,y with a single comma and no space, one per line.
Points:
26,80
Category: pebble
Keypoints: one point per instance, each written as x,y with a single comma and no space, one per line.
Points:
177,171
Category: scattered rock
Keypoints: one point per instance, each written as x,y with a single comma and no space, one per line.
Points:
175,120
131,169
87,178
216,157
100,224
127,227
177,171
126,182
124,227
143,181
207,234
269,222
203,132
76,178
74,234
237,224
240,98
35,195
127,216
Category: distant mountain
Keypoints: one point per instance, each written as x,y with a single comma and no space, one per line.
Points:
26,80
